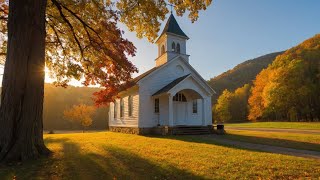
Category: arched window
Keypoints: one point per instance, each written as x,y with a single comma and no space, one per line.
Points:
179,97
162,50
178,48
173,47
115,111
121,108
130,105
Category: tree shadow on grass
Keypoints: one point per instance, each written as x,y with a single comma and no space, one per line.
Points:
276,142
110,163
218,140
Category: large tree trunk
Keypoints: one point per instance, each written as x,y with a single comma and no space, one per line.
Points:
21,128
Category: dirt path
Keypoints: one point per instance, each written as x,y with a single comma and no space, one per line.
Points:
268,148
301,131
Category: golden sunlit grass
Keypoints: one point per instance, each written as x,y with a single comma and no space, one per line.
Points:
109,155
285,125
283,139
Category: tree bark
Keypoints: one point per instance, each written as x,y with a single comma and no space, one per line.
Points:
21,130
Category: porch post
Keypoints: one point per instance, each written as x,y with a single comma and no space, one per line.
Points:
170,110
203,112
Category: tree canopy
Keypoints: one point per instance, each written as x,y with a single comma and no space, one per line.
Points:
232,106
289,88
81,113
84,41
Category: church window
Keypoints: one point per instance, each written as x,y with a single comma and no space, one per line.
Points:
179,97
178,48
130,105
115,111
195,106
156,105
121,108
162,50
173,46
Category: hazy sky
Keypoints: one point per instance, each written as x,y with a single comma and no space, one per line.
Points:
232,31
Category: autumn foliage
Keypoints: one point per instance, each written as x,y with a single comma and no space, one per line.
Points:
232,106
289,89
80,113
84,41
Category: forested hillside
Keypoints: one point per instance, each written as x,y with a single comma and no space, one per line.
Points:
58,99
240,75
289,89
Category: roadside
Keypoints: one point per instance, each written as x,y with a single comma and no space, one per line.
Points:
267,148
302,131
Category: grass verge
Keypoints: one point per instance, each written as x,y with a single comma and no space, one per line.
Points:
290,140
284,125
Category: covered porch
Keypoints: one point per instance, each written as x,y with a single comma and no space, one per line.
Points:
183,102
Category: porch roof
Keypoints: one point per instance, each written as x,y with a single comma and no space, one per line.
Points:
170,85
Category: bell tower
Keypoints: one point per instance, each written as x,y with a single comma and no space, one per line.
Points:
171,42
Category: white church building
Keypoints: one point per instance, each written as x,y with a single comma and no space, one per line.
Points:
171,98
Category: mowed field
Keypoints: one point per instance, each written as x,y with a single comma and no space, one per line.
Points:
298,135
280,125
107,155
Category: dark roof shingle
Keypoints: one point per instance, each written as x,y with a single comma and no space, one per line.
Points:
173,27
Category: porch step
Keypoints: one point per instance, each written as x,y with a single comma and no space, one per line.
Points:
191,130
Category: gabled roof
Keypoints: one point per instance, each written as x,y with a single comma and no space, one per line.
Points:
141,76
173,27
170,85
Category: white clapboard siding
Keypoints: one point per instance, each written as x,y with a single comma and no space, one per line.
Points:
126,120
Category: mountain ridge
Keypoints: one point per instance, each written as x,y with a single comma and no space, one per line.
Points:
241,74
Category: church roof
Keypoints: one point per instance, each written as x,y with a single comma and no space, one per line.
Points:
170,85
173,27
141,76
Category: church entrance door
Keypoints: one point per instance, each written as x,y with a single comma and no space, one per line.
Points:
179,113
179,109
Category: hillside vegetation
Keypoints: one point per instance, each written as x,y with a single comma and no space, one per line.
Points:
289,89
58,99
240,75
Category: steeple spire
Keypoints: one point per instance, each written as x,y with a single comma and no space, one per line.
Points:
172,27
171,42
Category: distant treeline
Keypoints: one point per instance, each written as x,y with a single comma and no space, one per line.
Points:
287,90
58,99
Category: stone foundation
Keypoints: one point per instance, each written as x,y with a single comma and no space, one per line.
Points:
161,130
127,130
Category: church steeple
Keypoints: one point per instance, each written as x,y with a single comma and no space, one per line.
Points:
173,27
171,42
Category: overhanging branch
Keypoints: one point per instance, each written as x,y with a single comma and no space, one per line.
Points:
59,7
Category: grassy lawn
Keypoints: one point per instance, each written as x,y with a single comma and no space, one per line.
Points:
107,155
285,125
291,140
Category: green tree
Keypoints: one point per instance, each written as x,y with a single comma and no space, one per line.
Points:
239,104
232,106
222,111
74,39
